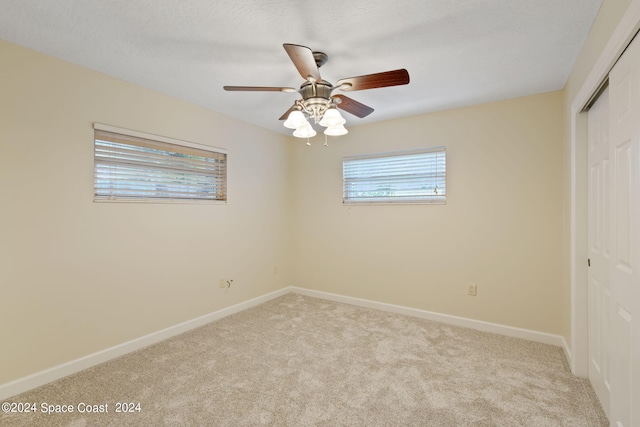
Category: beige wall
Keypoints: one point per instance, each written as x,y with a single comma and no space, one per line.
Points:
77,276
610,14
501,227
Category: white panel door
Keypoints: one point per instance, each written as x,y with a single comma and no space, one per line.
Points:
624,190
599,248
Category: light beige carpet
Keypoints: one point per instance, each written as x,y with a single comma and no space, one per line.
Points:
300,361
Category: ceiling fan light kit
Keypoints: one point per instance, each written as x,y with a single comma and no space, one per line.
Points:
305,131
331,118
295,120
336,130
317,101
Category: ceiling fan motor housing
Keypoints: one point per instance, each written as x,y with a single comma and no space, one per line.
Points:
316,96
321,89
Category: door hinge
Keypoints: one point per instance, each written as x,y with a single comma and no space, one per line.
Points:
589,262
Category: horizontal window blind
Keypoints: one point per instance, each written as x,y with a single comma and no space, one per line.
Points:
402,177
131,168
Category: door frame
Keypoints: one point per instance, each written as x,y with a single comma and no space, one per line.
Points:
578,349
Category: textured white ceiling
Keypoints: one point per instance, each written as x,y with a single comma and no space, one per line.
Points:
457,52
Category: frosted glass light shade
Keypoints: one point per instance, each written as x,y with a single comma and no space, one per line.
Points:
304,131
295,120
331,118
336,130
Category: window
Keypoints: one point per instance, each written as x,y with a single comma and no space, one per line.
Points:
134,166
402,177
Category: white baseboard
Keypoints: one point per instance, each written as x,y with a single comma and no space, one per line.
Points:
48,375
495,328
567,353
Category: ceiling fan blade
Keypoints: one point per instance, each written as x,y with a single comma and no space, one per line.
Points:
258,89
285,115
372,81
304,61
352,106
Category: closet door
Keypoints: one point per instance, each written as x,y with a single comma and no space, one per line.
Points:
624,266
599,242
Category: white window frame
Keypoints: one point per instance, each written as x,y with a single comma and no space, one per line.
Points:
411,166
218,173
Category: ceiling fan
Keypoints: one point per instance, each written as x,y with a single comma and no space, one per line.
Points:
318,102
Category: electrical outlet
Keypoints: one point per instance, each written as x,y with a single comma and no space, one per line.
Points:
222,283
472,289
275,270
